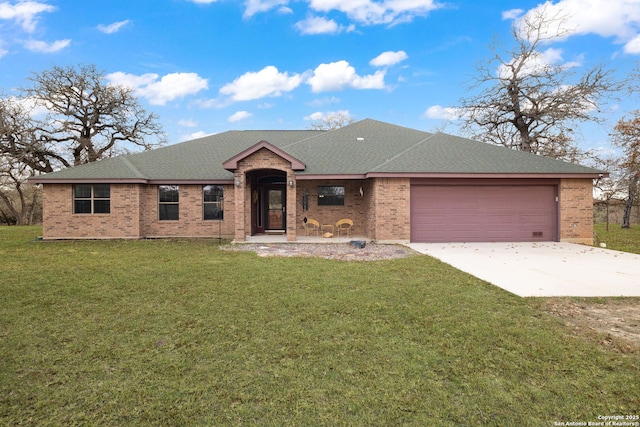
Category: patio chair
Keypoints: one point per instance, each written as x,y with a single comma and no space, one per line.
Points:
344,226
311,225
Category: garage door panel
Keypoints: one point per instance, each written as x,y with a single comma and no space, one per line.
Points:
483,213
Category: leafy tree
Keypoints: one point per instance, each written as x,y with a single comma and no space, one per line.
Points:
627,137
529,102
83,119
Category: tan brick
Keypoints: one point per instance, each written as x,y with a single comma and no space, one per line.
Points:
576,210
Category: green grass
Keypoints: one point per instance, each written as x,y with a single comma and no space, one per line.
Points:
616,237
178,332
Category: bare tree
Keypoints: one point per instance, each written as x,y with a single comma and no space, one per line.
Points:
19,200
89,119
610,190
627,137
85,119
332,121
527,102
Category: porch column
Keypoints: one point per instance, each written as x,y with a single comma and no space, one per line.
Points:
292,225
239,186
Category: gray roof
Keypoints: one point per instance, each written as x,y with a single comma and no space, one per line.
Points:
365,148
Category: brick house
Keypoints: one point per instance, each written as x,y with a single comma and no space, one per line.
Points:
396,184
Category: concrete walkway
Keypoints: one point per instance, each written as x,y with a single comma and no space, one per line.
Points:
544,269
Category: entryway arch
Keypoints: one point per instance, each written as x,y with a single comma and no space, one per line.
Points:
268,201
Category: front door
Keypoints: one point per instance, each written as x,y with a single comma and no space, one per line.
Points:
275,209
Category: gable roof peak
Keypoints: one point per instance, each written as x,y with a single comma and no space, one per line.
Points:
232,163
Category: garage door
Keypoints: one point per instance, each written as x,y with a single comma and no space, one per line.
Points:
483,213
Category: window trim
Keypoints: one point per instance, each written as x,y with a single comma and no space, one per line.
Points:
218,202
168,203
92,199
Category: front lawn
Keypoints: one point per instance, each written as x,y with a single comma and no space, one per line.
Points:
618,238
178,332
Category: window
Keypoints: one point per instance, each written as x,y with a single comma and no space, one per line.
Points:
212,202
168,198
91,198
330,196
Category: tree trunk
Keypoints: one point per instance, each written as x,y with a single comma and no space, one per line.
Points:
633,188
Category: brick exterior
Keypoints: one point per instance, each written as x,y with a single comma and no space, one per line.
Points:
134,215
390,210
381,213
59,221
190,222
355,205
261,160
576,211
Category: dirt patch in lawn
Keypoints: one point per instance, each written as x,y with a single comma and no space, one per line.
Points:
336,251
616,321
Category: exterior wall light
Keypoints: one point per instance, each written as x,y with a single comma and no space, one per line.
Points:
291,183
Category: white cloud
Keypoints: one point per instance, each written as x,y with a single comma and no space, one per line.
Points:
113,28
33,106
318,115
284,10
266,82
131,80
606,18
537,62
340,75
444,113
238,116
159,92
187,123
318,25
633,46
253,7
44,47
194,135
512,14
389,58
24,12
368,12
3,52
324,101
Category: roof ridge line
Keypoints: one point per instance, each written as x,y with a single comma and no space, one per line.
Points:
422,141
129,165
320,133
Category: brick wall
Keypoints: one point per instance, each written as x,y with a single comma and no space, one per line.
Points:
262,159
576,211
134,214
355,205
390,210
59,221
382,213
190,222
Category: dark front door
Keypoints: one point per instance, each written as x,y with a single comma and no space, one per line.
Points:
275,209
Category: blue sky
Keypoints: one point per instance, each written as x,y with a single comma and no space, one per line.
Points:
207,66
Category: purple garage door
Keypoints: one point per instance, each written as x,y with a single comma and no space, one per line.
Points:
483,213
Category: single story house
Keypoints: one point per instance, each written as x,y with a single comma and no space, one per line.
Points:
396,184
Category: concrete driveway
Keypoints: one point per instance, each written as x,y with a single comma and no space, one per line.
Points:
543,269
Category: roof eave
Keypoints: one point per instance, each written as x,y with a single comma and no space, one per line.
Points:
131,181
591,175
44,180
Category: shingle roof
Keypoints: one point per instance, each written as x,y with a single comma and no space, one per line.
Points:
362,148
